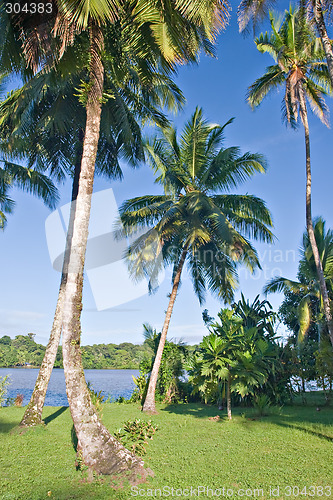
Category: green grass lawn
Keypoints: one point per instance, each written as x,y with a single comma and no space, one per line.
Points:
291,447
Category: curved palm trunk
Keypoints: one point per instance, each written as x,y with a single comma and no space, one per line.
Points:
321,27
149,404
309,224
33,413
229,397
98,449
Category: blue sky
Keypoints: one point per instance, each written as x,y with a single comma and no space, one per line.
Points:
30,284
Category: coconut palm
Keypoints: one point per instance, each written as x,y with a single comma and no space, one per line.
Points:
28,179
308,286
300,68
57,144
193,221
98,447
253,12
188,27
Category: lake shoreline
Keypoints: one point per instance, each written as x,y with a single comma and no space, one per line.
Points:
113,383
59,368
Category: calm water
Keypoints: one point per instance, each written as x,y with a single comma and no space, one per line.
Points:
112,383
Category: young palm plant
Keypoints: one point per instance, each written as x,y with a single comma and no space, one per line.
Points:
197,220
300,68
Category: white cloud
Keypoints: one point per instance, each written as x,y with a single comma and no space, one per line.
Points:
190,333
16,322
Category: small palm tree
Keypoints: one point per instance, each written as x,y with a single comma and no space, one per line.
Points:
195,222
308,286
300,68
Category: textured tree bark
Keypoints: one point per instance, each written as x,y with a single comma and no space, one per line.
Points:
309,224
98,449
33,413
149,404
321,27
229,397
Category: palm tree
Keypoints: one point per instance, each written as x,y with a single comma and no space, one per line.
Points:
28,179
192,221
301,69
308,286
258,315
100,451
232,353
254,12
55,144
211,369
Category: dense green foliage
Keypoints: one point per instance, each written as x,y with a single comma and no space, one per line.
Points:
188,449
239,355
24,350
170,384
308,352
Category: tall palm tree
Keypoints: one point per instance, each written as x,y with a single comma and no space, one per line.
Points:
193,222
55,144
308,286
300,68
253,12
100,451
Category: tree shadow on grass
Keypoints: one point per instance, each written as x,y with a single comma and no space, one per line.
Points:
291,416
308,425
54,415
196,410
6,427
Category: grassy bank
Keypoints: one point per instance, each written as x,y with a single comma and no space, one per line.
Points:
292,447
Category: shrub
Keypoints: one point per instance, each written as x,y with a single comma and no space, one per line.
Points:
261,404
97,398
135,434
4,382
18,400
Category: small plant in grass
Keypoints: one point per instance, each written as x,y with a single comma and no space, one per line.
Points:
261,404
18,401
140,390
4,382
135,434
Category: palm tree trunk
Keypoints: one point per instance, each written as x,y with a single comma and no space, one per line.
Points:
321,27
98,449
33,413
229,397
149,404
309,224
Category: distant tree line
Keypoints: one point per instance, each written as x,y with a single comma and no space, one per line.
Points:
24,351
